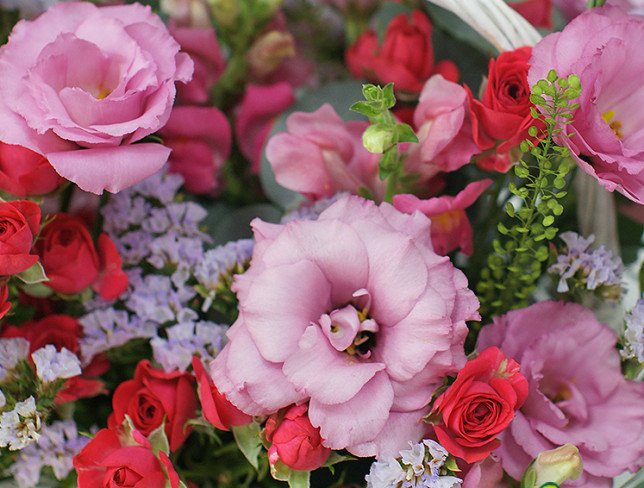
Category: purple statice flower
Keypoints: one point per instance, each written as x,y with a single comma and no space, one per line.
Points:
634,333
20,427
311,211
186,340
56,448
157,299
52,365
12,351
219,263
595,267
148,222
104,329
418,467
3,400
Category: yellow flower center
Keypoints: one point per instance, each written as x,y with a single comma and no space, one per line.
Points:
615,125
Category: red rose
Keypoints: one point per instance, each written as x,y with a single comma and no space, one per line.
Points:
62,331
479,405
503,114
294,441
5,304
19,223
152,397
24,172
215,407
406,56
71,262
104,462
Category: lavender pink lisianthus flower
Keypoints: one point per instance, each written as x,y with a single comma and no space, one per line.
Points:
355,314
603,47
81,83
577,393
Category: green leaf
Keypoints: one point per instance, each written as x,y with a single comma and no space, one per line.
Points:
34,274
366,108
548,220
37,290
388,96
249,442
405,133
299,479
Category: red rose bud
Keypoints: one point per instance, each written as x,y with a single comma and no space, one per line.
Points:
479,405
19,224
24,172
406,56
215,407
295,442
72,263
151,398
106,462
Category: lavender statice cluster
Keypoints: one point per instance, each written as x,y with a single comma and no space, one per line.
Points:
56,447
311,211
591,268
12,351
171,276
422,466
634,333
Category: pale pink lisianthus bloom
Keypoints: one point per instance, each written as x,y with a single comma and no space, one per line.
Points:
202,46
444,130
255,116
200,139
81,83
450,229
603,47
321,155
577,393
354,313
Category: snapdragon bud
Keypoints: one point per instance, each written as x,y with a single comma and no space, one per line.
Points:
378,138
225,12
268,52
554,466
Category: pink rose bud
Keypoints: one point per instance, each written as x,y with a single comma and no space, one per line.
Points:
295,441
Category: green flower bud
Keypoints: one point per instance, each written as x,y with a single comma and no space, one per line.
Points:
377,138
225,12
554,466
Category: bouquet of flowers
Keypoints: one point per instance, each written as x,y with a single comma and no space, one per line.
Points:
321,243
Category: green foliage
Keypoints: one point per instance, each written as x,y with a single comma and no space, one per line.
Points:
521,250
385,133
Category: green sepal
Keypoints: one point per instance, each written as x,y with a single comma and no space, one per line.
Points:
249,442
159,440
299,479
34,274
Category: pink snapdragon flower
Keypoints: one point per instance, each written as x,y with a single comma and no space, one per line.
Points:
577,393
451,229
81,83
603,47
320,155
202,46
444,130
200,139
354,313
255,116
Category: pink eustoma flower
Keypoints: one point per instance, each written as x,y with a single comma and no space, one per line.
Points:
80,84
602,47
576,392
444,130
320,155
354,313
450,228
200,139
